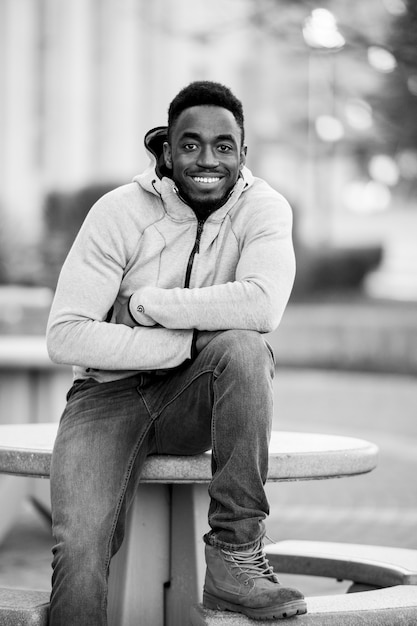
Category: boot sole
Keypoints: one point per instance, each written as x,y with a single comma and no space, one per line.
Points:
289,609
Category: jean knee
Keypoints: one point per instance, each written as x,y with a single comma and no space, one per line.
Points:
80,538
72,560
248,349
244,385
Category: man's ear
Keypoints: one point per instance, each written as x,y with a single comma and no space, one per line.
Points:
243,153
167,155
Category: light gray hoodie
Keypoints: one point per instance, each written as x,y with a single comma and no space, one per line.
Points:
142,236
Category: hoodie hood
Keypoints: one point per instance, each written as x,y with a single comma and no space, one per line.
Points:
154,143
152,176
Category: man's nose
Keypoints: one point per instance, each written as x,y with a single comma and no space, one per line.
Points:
207,157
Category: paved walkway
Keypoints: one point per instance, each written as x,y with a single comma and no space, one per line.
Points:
25,555
380,507
377,508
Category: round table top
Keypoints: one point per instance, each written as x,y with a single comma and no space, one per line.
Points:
26,450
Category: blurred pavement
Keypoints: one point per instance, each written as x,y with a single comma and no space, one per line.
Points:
377,508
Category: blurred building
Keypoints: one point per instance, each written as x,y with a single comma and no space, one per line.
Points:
81,81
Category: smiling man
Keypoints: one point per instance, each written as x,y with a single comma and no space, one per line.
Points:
161,307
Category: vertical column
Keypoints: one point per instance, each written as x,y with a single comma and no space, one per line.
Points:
19,185
120,85
189,522
69,116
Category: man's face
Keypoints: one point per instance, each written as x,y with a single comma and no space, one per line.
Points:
205,155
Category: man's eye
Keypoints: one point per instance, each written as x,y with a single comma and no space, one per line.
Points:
224,148
190,147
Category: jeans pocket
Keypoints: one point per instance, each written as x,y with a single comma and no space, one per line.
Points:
79,385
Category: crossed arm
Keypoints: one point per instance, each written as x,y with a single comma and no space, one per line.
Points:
124,316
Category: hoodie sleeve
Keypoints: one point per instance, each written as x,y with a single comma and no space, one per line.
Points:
88,286
264,277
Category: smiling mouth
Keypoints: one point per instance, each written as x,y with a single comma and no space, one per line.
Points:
206,180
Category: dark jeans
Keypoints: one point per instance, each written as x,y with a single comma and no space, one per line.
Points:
222,400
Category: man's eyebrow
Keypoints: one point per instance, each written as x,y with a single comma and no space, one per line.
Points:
189,134
226,137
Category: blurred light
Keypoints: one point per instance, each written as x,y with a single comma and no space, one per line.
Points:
367,197
359,114
381,59
395,7
407,163
412,84
329,128
320,31
384,169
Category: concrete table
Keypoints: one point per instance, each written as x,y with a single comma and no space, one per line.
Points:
158,573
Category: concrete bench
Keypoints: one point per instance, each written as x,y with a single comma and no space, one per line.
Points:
376,566
385,607
21,607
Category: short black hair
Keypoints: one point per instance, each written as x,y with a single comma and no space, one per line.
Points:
207,92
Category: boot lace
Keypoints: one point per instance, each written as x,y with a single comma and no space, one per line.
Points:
252,563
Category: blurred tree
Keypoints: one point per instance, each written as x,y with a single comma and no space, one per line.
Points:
3,252
19,261
397,101
64,214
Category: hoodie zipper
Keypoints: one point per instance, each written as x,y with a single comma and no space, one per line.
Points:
194,251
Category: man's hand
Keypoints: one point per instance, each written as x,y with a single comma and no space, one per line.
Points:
137,310
204,337
124,316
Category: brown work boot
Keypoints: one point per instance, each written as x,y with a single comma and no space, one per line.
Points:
244,582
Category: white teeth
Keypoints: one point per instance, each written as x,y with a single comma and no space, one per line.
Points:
207,180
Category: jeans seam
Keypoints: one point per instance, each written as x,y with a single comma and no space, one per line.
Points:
122,495
177,395
184,387
213,446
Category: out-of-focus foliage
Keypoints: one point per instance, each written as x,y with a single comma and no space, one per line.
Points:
333,269
19,262
397,100
64,214
3,253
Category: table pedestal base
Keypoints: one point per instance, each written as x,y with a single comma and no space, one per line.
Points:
158,573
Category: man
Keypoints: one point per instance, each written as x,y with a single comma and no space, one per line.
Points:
160,307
